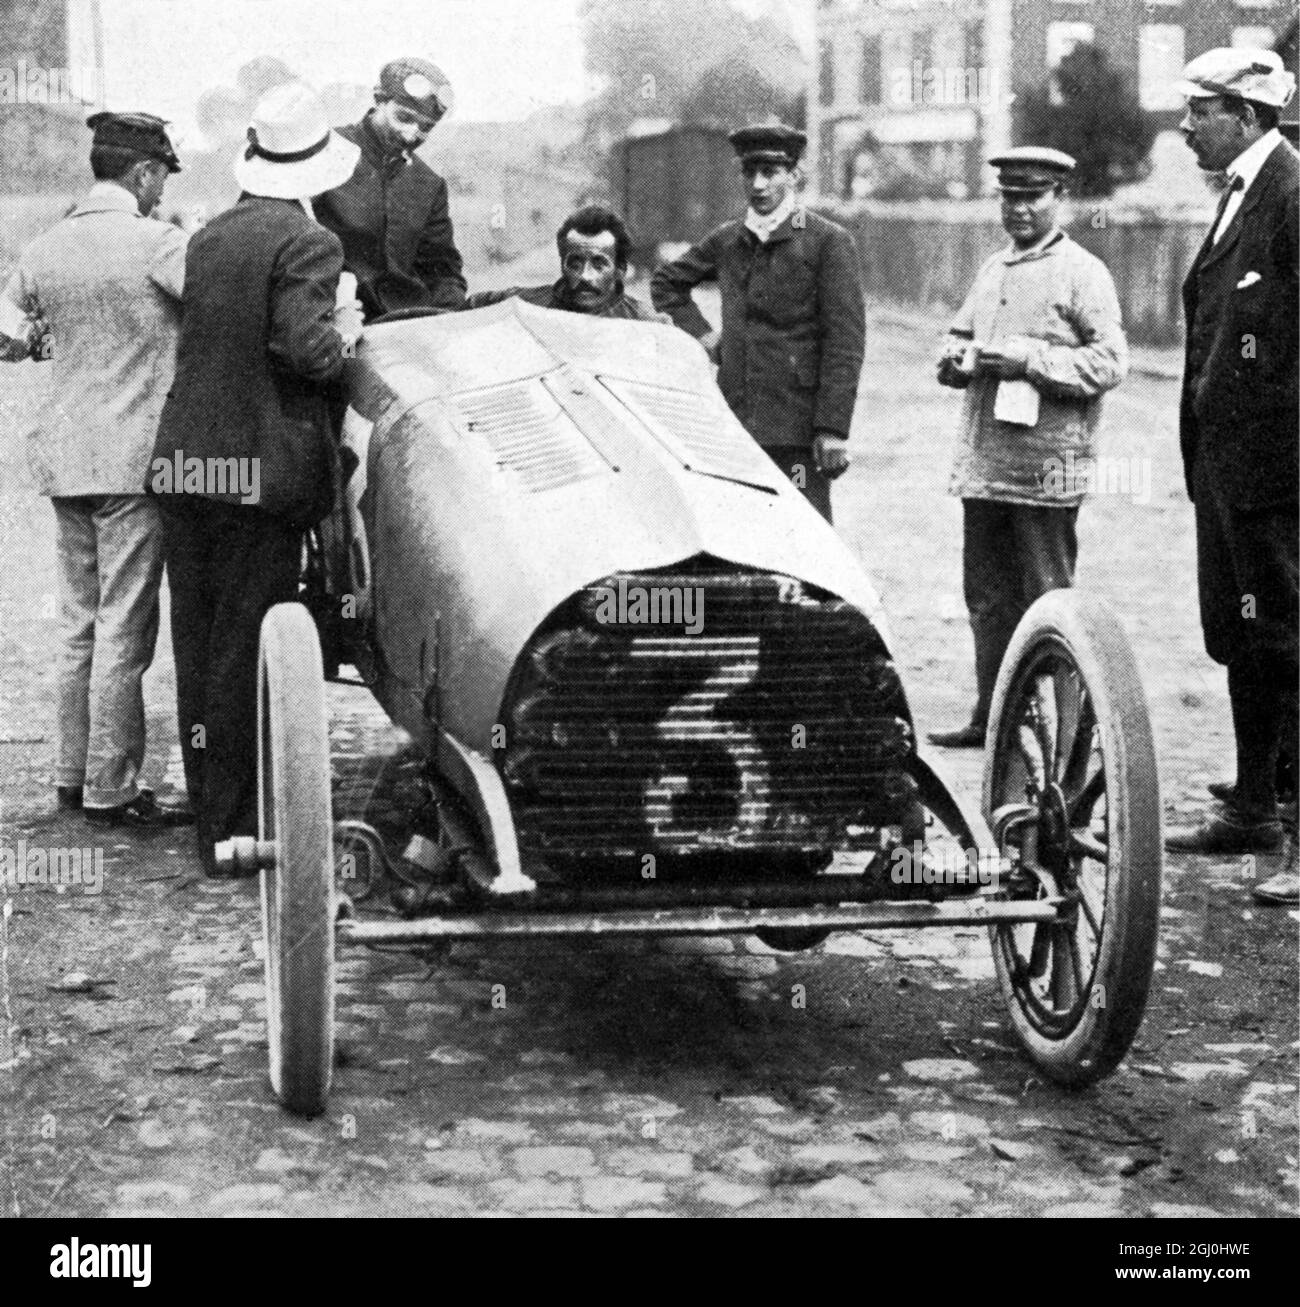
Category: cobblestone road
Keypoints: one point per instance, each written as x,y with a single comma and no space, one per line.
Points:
875,1075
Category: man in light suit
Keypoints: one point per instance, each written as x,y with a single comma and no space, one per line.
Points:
1241,390
261,345
99,295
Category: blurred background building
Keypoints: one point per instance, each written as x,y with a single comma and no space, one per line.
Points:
912,95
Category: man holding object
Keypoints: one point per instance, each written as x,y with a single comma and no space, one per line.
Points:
1035,345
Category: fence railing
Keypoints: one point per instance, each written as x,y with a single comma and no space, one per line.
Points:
927,258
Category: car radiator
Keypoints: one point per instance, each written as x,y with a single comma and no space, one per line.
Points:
699,711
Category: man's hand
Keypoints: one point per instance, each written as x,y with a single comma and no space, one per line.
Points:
712,342
830,455
1009,360
956,364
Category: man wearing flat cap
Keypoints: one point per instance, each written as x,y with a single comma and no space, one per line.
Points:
99,295
392,214
1238,435
1035,346
793,321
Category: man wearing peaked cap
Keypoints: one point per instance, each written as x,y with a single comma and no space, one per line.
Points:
1237,428
99,295
392,214
793,320
261,348
1032,169
1035,346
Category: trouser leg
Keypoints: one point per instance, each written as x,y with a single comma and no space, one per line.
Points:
186,544
78,573
991,581
1047,547
254,564
130,553
1256,700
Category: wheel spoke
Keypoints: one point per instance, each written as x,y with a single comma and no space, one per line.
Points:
1043,708
1089,911
1085,743
1040,951
1069,710
1061,984
1031,751
1085,800
1085,842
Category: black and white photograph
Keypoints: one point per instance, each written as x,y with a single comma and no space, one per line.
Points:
650,608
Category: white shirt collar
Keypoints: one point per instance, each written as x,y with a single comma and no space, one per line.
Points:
763,225
1014,254
1248,163
110,196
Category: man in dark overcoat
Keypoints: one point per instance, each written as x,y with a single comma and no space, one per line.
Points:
1241,390
793,321
392,214
247,427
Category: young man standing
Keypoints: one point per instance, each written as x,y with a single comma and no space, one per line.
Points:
99,294
392,213
793,320
1035,346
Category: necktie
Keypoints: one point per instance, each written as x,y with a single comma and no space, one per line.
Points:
1237,184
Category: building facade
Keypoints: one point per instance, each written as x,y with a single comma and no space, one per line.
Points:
910,96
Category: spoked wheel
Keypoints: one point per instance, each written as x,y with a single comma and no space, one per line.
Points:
298,888
1072,797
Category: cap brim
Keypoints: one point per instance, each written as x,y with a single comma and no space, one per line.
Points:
1194,90
298,181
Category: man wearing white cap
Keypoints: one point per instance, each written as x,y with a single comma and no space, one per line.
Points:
1035,346
248,420
1241,390
392,213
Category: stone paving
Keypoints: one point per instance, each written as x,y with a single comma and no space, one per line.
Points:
875,1075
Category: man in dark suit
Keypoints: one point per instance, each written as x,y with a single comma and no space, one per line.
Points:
245,454
392,214
1241,390
793,321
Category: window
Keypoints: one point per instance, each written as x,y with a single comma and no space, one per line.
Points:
1160,64
869,81
826,74
923,49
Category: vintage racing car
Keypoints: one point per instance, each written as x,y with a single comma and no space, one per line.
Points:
655,694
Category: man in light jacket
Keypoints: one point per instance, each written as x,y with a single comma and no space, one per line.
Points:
99,295
1035,346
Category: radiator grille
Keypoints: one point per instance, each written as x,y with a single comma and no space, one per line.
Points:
758,717
530,435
